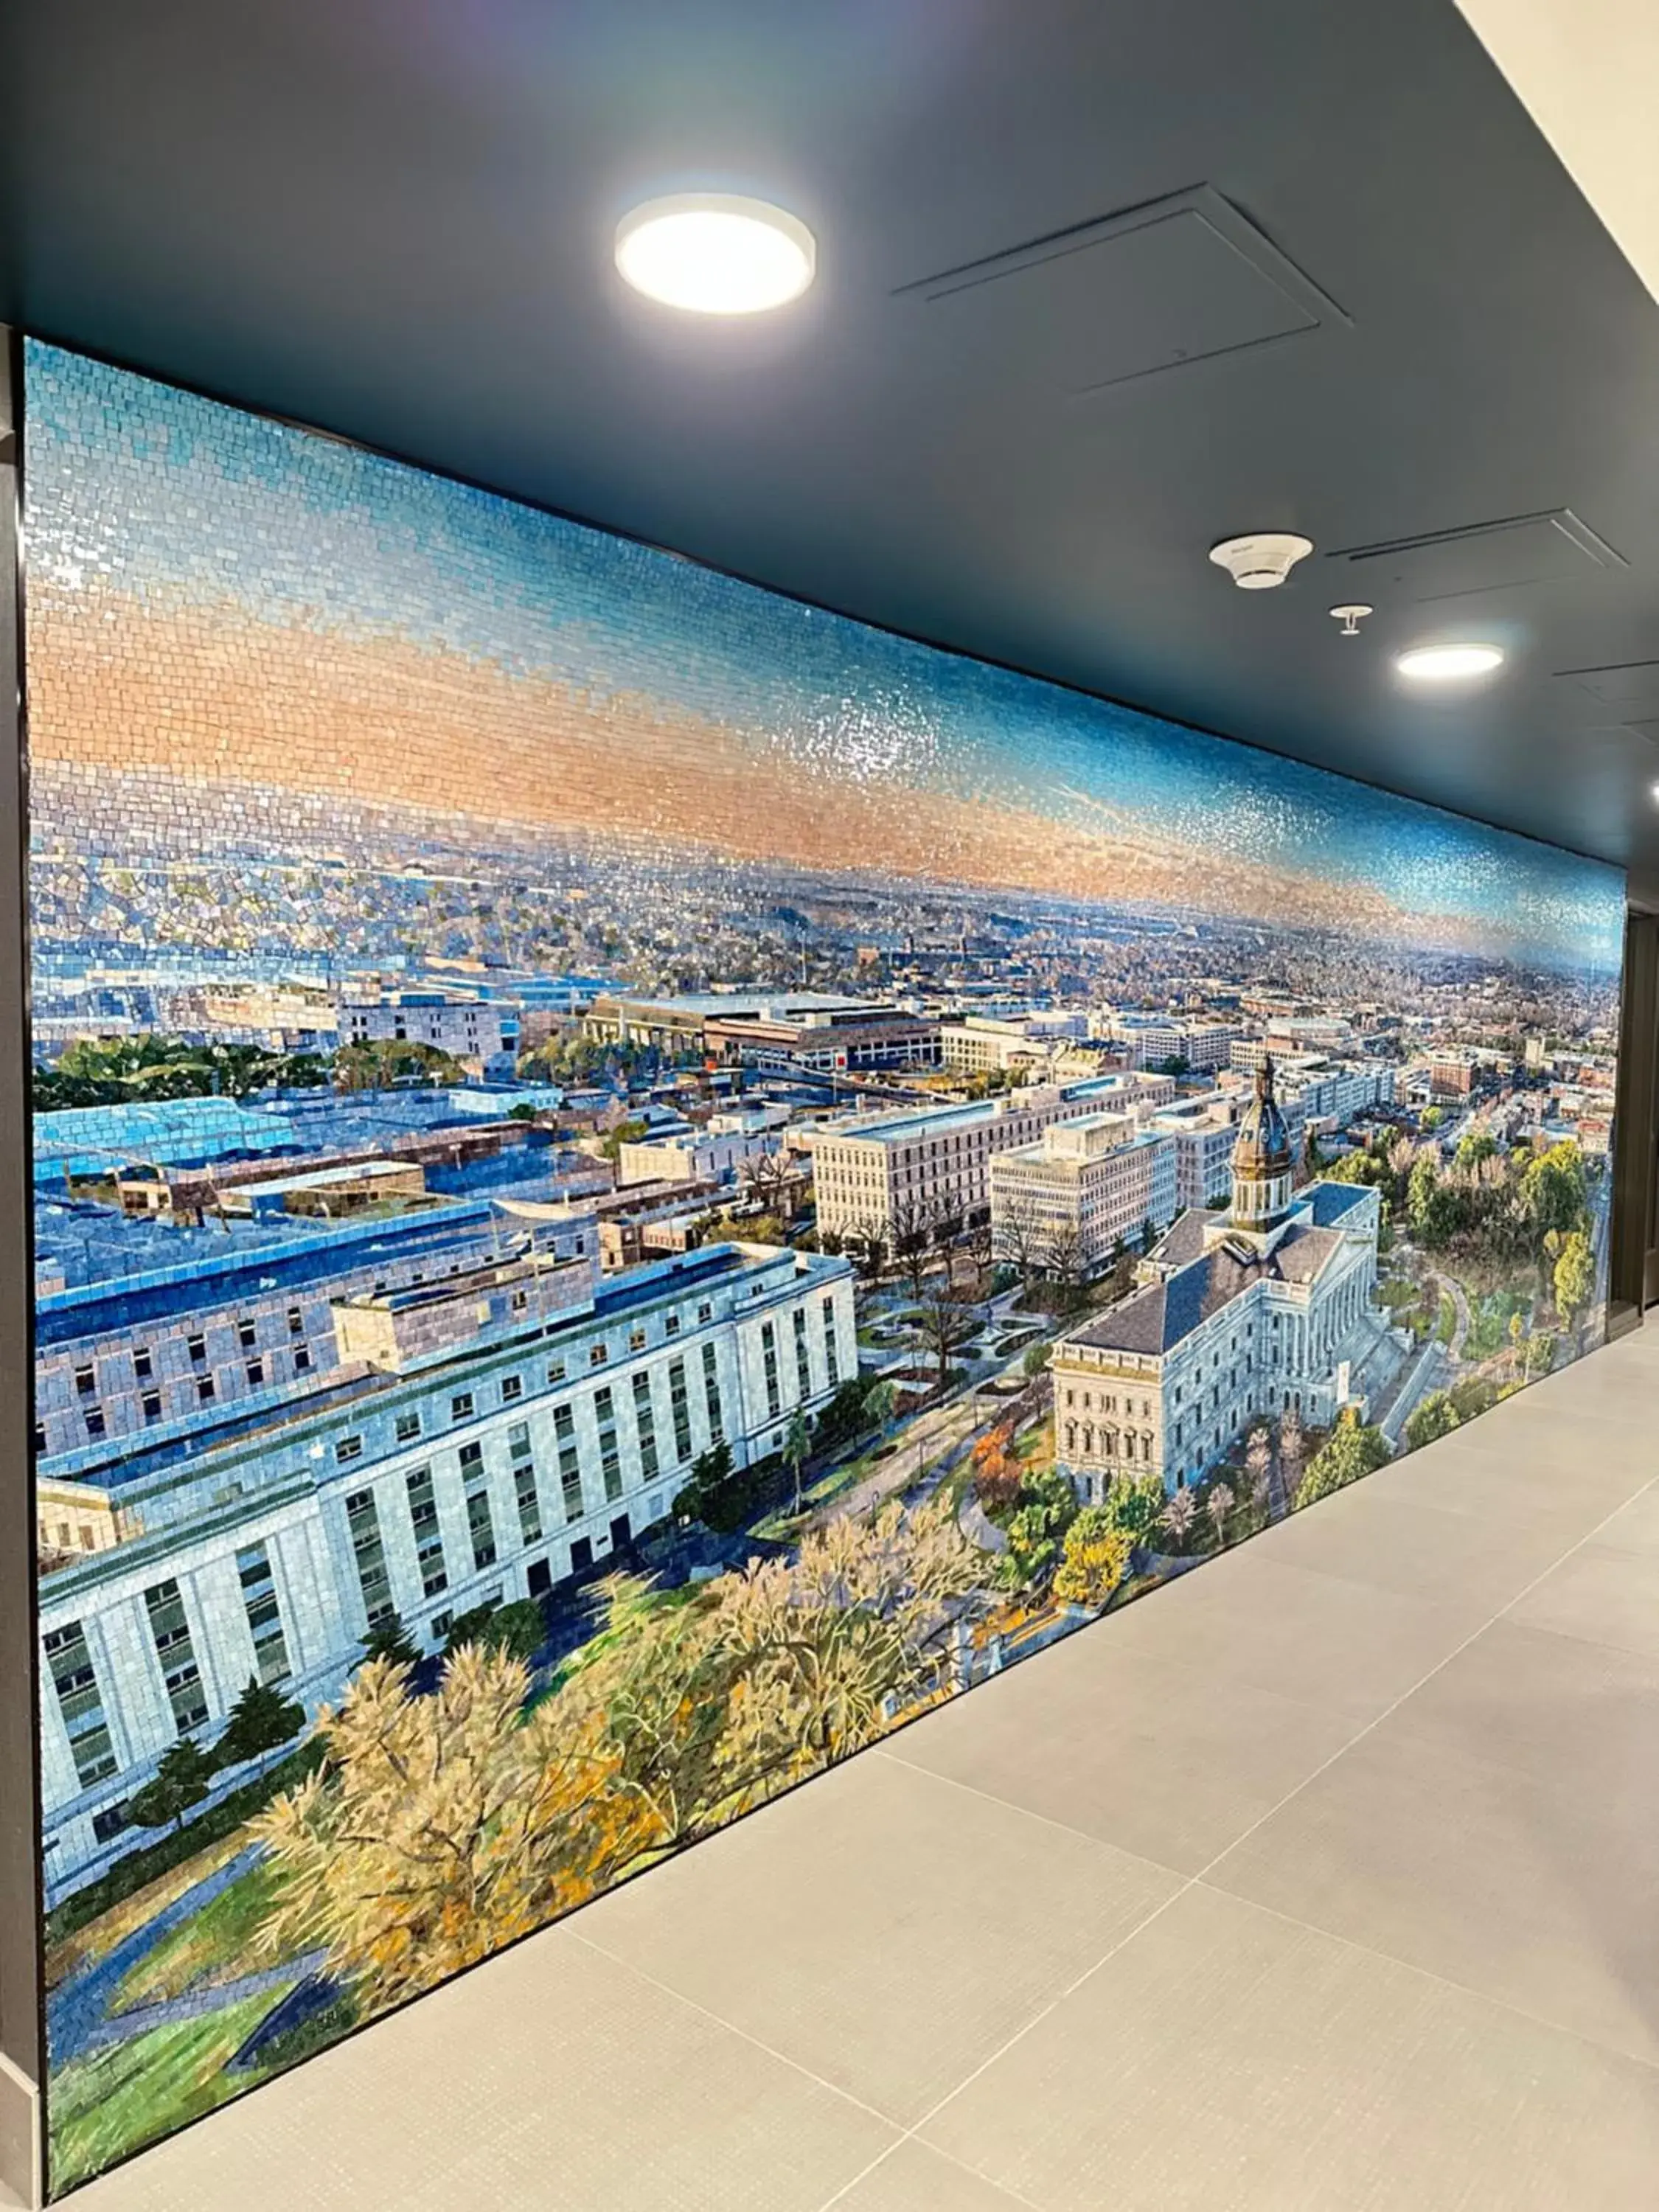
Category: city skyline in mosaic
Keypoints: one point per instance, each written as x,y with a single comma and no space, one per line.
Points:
734,723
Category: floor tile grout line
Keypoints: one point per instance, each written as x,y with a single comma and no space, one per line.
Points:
1428,1974
1045,1820
745,2035
1200,1878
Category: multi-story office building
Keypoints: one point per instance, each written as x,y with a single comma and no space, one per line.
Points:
979,1044
1203,1043
885,1172
680,1025
1242,1318
233,1326
483,1034
519,1426
1454,1074
1203,1131
1085,1189
718,1152
852,1043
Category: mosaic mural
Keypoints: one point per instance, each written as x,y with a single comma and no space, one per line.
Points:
636,1183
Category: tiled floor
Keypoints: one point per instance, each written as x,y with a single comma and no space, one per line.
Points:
1326,1880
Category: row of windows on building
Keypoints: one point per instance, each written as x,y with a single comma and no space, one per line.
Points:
68,1659
464,1405
80,1699
363,1506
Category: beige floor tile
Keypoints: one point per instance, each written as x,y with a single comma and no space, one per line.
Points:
1304,1634
1227,2060
1498,1881
1635,1527
551,2080
1510,1485
913,2178
1576,1441
1602,1593
1368,1535
1581,1718
1163,1760
886,1928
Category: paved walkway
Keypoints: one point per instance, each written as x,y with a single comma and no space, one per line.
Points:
1321,1881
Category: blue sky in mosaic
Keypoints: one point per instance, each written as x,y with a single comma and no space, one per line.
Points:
207,504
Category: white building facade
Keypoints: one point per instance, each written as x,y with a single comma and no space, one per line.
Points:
492,1472
880,1174
1241,1320
1085,1189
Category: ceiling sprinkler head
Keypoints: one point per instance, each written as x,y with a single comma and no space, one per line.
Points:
1350,619
1260,562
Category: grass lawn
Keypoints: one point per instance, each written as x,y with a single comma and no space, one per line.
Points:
112,2103
89,1944
213,1945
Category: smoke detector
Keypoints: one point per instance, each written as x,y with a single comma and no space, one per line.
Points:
1260,562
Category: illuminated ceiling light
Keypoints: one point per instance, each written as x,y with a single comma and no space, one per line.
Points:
715,253
1449,664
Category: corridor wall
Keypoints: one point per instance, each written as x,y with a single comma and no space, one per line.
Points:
635,1183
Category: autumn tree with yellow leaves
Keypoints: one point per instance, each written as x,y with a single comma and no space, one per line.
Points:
442,1828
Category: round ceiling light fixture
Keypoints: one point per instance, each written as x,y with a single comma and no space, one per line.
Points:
1449,664
715,253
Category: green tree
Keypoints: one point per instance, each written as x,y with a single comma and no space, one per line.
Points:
1136,1504
797,1443
848,1412
1350,1451
1436,1417
629,1132
377,1063
718,1494
261,1719
1575,1276
389,1639
1473,1146
182,1780
1431,1208
1037,1531
1433,1117
518,1630
1554,1191
1035,1361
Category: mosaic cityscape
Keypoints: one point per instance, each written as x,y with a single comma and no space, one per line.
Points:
636,1184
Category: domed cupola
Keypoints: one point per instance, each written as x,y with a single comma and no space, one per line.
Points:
1264,1161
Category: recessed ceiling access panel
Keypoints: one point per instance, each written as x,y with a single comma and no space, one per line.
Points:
1629,687
1484,556
1179,280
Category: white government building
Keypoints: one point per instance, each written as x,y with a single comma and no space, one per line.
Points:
486,1437
1242,1317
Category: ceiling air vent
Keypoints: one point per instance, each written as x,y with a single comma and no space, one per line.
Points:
1483,556
1178,280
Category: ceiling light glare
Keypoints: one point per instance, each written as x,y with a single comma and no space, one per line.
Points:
1449,664
715,253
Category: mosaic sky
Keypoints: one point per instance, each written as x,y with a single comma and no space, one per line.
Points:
476,649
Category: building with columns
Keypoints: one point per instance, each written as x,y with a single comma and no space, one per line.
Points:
448,1467
1239,1318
